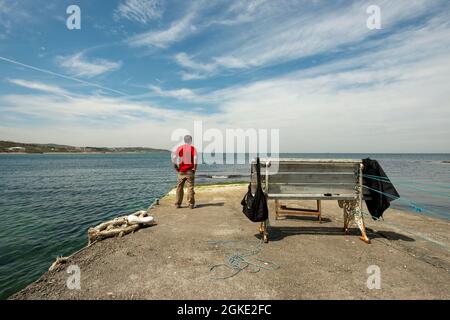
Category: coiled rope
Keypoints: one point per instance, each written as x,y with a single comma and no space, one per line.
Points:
239,259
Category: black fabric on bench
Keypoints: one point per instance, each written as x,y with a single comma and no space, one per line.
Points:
378,202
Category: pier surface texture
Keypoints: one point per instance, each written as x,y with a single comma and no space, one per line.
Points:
172,259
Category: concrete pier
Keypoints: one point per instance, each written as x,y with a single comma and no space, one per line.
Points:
172,260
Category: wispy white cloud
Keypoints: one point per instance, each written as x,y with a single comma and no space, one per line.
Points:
239,12
39,86
200,17
391,100
203,70
59,75
183,93
185,61
142,11
79,66
393,97
388,106
292,34
90,110
89,120
354,111
177,31
192,75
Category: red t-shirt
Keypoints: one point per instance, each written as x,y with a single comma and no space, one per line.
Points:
186,152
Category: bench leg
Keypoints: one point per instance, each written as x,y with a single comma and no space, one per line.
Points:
263,230
358,214
359,219
353,212
266,234
319,211
277,206
347,207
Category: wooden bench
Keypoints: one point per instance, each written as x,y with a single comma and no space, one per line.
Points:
313,179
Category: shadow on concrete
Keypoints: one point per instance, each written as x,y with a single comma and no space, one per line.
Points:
277,233
216,204
303,218
391,235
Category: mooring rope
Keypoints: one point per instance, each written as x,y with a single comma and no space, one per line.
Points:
240,260
411,186
428,184
410,203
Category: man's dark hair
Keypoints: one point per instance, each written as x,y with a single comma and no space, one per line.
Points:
187,139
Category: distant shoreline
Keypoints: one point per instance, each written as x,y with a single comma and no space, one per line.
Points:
118,152
51,148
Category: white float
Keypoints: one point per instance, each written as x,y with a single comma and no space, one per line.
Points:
140,218
120,226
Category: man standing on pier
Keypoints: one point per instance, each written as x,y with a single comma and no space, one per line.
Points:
186,168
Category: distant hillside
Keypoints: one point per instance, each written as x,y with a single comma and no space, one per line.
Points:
17,147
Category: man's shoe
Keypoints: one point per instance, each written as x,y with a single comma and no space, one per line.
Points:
192,206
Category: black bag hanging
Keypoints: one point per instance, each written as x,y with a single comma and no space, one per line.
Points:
255,206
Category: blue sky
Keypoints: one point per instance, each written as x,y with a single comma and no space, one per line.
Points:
137,70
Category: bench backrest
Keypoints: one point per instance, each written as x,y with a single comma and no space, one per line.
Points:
318,179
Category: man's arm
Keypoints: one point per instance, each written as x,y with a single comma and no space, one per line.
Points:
174,159
195,159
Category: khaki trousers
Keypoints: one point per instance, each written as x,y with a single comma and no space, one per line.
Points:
188,178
